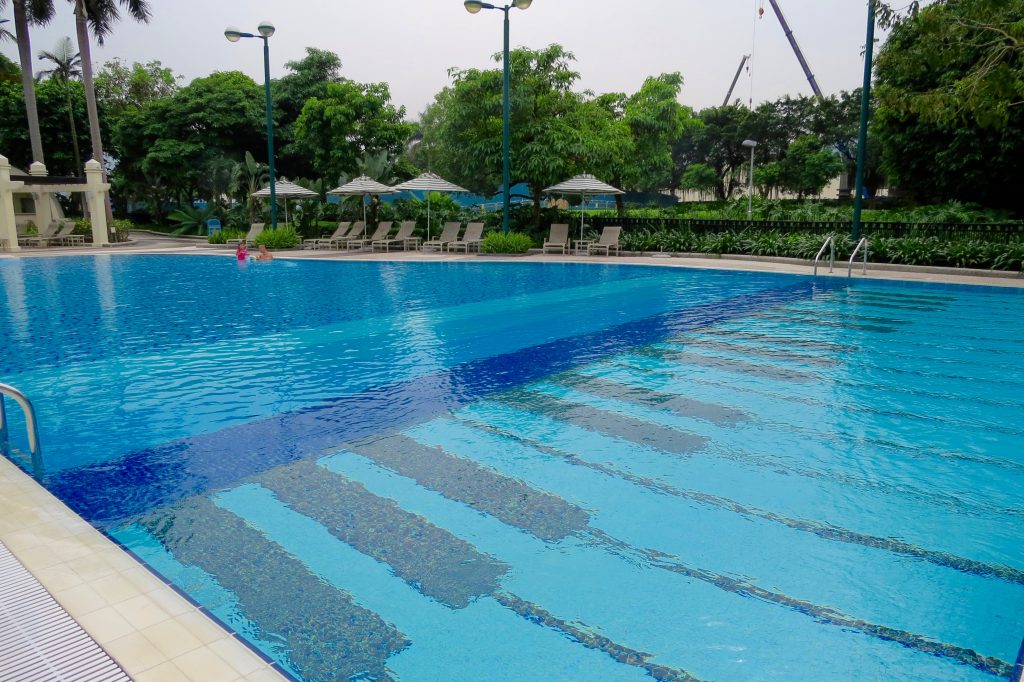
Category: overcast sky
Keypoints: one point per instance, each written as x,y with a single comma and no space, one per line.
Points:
410,44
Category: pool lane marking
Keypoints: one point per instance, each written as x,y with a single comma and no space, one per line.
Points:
822,530
963,655
277,592
373,586
768,353
600,398
112,492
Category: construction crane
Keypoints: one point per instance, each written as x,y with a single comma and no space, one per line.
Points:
735,78
793,44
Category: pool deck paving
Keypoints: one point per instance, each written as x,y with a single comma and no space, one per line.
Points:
147,627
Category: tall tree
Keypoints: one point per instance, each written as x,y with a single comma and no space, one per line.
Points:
67,66
350,121
100,15
26,12
307,78
950,114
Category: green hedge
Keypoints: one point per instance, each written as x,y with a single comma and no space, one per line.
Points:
499,242
281,238
964,253
222,236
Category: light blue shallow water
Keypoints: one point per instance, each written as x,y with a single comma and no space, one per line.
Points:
538,471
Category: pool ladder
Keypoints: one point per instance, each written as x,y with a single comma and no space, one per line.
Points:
830,242
35,458
863,243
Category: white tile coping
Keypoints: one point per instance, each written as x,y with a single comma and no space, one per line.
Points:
150,630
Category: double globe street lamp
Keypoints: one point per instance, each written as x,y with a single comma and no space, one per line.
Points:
265,29
474,6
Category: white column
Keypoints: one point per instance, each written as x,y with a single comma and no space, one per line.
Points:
44,207
96,195
8,228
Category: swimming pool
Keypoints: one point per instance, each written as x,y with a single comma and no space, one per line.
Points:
432,471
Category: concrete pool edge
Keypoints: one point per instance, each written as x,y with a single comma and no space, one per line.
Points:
791,266
146,626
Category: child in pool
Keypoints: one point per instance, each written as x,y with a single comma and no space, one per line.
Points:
241,253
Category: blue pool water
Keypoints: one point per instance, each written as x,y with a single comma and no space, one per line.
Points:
469,471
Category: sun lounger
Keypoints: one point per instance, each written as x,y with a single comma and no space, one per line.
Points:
609,240
254,232
449,234
58,237
403,236
25,239
316,243
472,237
379,234
358,228
558,238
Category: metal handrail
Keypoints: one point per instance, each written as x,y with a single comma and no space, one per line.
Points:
862,243
831,256
31,425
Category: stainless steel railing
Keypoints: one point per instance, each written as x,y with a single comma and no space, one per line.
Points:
31,425
830,242
863,243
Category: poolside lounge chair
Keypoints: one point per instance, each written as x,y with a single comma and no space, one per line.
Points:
379,234
254,232
61,236
403,236
339,233
609,240
24,239
471,237
449,234
558,238
358,228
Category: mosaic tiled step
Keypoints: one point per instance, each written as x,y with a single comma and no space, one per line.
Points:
683,357
757,351
327,636
546,516
679,404
437,563
621,426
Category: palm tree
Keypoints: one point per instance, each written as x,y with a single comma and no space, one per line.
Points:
4,33
66,67
101,16
26,12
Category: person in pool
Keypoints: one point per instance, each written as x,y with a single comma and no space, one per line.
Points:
242,253
264,255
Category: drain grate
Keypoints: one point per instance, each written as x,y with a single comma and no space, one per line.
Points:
39,641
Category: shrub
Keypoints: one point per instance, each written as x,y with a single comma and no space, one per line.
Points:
222,236
499,242
281,238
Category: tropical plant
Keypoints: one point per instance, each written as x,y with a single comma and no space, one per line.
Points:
190,219
281,238
500,242
38,12
222,236
67,66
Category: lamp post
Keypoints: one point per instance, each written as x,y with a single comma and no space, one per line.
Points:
265,29
865,112
474,6
750,192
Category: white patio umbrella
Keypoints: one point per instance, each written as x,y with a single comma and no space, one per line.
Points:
287,190
429,182
584,186
363,186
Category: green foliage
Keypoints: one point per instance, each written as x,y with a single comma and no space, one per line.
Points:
121,228
499,242
53,98
191,220
699,177
281,238
949,121
308,78
222,236
349,121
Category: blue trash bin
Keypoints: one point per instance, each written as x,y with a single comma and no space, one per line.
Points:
212,225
